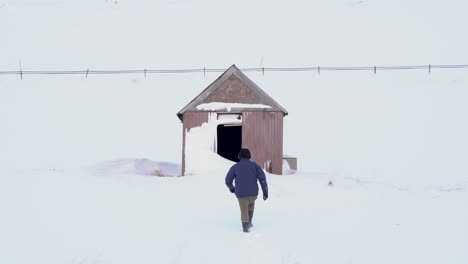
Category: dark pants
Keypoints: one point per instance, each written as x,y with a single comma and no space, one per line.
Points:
246,204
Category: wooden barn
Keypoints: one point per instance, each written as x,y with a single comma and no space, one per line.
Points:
241,115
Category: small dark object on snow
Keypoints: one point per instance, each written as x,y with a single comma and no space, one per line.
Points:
330,184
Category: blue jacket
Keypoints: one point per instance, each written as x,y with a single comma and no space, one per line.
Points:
246,173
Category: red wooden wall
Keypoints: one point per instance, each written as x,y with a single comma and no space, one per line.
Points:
262,134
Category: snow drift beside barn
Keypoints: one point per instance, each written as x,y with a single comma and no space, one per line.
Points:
137,167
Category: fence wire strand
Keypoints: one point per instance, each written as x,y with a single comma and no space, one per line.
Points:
317,69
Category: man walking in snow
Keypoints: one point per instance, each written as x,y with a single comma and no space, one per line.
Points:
246,173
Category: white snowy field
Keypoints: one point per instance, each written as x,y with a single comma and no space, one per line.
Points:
394,143
80,216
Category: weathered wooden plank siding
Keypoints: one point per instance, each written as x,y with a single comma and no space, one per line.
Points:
190,120
262,133
234,90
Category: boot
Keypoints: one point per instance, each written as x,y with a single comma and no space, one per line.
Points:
250,217
245,227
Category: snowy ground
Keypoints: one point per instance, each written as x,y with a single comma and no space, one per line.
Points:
80,216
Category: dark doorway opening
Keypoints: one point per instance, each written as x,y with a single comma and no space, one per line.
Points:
229,141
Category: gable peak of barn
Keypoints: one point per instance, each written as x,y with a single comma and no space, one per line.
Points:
232,86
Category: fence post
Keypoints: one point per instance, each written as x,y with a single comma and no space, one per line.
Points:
21,70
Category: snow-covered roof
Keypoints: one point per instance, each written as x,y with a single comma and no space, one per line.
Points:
233,87
230,106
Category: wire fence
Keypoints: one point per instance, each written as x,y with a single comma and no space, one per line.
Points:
317,69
